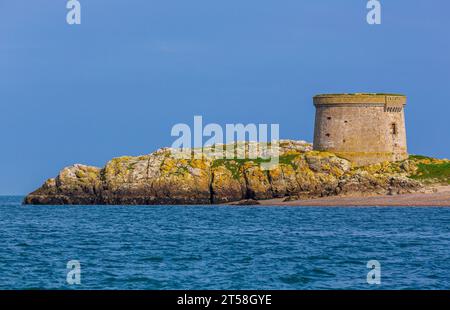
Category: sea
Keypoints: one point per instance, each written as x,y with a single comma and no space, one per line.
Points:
222,247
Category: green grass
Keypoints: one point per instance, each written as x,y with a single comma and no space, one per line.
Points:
418,157
289,160
131,166
234,165
433,172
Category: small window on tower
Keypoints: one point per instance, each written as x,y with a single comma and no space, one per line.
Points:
394,130
328,117
327,135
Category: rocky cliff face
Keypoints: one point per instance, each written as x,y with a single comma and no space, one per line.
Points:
161,178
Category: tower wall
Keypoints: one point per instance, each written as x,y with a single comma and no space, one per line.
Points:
363,128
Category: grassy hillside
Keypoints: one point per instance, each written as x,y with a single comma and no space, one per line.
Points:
430,170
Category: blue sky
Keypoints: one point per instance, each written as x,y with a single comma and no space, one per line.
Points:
116,84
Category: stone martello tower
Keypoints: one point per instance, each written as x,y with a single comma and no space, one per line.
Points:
363,128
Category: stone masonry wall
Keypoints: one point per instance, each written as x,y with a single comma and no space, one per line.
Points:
364,133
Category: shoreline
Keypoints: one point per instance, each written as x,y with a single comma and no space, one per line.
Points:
434,197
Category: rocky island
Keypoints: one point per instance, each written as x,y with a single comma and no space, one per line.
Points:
359,150
302,173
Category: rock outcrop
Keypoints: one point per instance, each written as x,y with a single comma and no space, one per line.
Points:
162,178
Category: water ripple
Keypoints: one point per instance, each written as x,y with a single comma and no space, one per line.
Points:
170,247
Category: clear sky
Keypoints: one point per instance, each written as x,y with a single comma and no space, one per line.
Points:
116,84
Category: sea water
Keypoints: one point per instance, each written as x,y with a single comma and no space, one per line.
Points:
222,247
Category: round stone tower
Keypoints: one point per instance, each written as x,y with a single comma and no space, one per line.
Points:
363,128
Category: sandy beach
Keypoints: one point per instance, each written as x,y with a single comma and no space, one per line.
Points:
437,196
